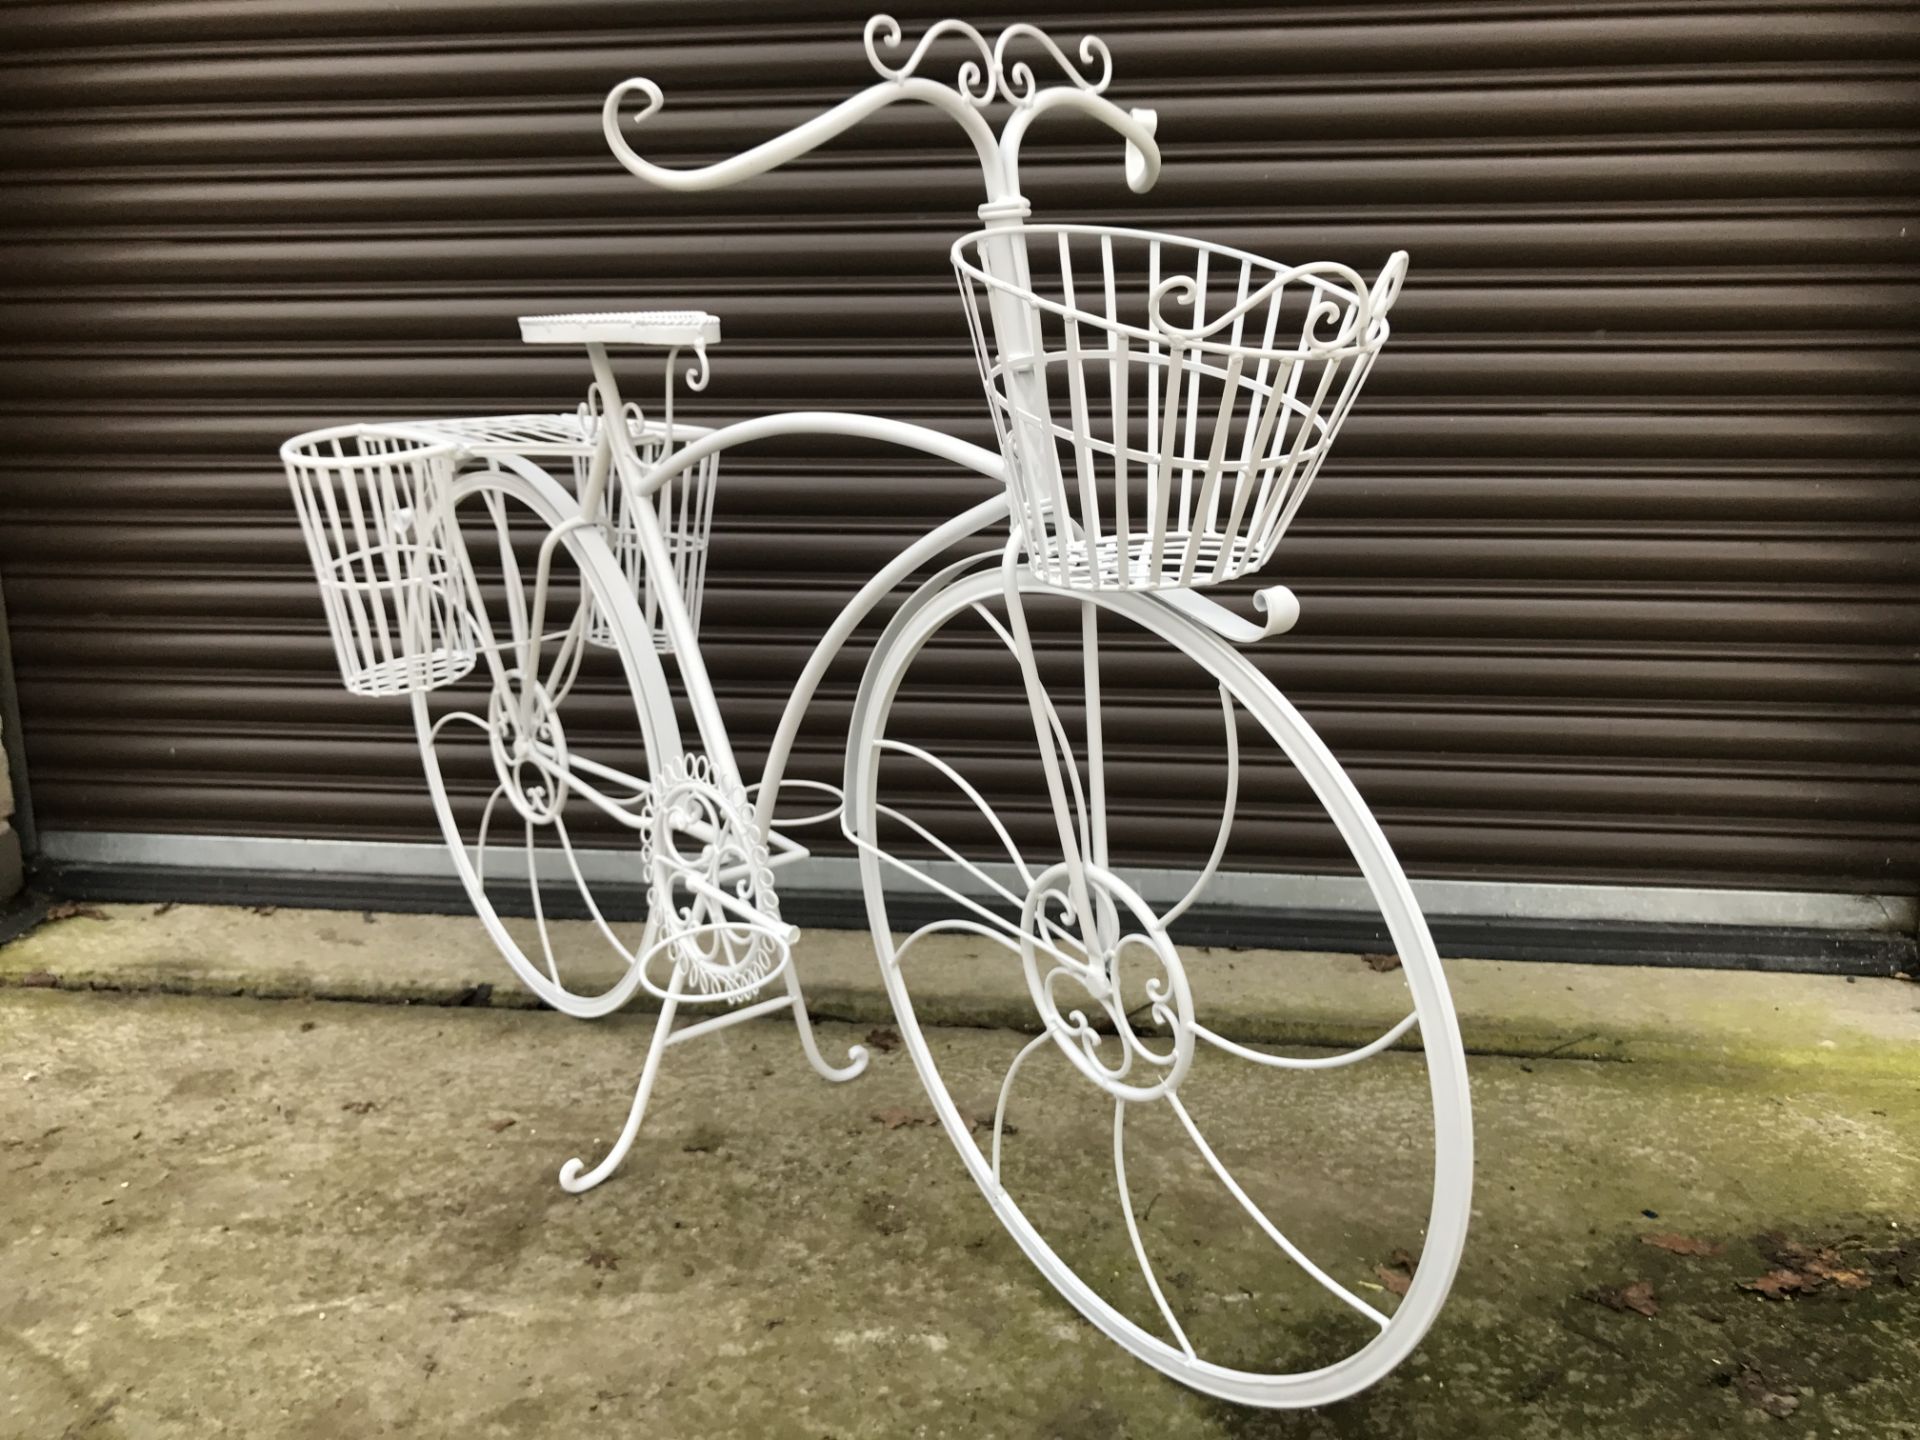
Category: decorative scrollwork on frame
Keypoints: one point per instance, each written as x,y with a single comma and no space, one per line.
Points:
1018,81
1340,308
976,82
617,97
1055,959
703,842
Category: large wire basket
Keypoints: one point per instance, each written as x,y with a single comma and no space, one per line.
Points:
373,508
1162,403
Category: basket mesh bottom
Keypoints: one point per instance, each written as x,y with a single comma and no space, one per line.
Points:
406,674
1146,566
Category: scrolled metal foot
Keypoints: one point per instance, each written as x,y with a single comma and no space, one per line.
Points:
571,1178
857,1056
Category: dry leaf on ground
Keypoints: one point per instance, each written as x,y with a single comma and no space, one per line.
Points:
1681,1244
1397,1273
1636,1296
1778,1284
1800,1268
1381,964
884,1038
74,910
1776,1399
899,1117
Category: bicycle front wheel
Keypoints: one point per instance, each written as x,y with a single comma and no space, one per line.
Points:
1240,1216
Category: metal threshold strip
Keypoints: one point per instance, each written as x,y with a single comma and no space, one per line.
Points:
1818,932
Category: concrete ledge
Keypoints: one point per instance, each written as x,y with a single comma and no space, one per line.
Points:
1518,1008
1584,924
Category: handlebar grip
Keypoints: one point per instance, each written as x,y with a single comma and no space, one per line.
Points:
1143,167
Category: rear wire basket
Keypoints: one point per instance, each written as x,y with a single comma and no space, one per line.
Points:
683,506
373,507
1162,403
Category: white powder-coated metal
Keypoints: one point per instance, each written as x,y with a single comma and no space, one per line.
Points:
1162,405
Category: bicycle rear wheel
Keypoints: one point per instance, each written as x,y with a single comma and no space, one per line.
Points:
963,860
541,762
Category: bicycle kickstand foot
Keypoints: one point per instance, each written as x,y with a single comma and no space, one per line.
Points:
571,1178
857,1056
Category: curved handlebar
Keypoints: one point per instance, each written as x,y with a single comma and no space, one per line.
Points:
790,146
1136,127
978,84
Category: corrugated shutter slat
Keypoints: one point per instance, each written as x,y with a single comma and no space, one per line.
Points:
1616,575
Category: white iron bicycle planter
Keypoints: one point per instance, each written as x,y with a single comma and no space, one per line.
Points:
1162,405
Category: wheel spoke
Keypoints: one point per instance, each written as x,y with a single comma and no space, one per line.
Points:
1226,815
539,914
966,788
953,924
1006,1089
570,656
480,845
1273,1232
953,855
1133,1227
639,790
482,619
586,894
1002,931
510,578
1072,766
1325,1062
613,809
449,718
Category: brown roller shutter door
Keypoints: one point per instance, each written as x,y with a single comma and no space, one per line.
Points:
1614,576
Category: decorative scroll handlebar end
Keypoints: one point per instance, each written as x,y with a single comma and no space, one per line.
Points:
1386,287
1143,170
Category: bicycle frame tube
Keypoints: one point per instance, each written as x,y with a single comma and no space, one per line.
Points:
679,627
916,555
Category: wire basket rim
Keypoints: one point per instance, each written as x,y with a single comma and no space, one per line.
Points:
1344,287
426,446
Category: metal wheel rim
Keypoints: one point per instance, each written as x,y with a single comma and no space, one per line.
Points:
1445,1059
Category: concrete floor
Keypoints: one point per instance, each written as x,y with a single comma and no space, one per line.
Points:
233,1215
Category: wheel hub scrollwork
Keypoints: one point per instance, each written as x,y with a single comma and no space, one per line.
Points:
529,750
1082,988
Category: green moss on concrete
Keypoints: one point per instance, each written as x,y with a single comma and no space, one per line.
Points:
1806,1023
360,1200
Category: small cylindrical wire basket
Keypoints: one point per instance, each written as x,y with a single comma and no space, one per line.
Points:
1162,403
373,505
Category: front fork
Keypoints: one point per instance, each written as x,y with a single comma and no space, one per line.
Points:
1079,810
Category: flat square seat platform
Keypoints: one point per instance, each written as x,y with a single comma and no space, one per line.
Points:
550,437
665,328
